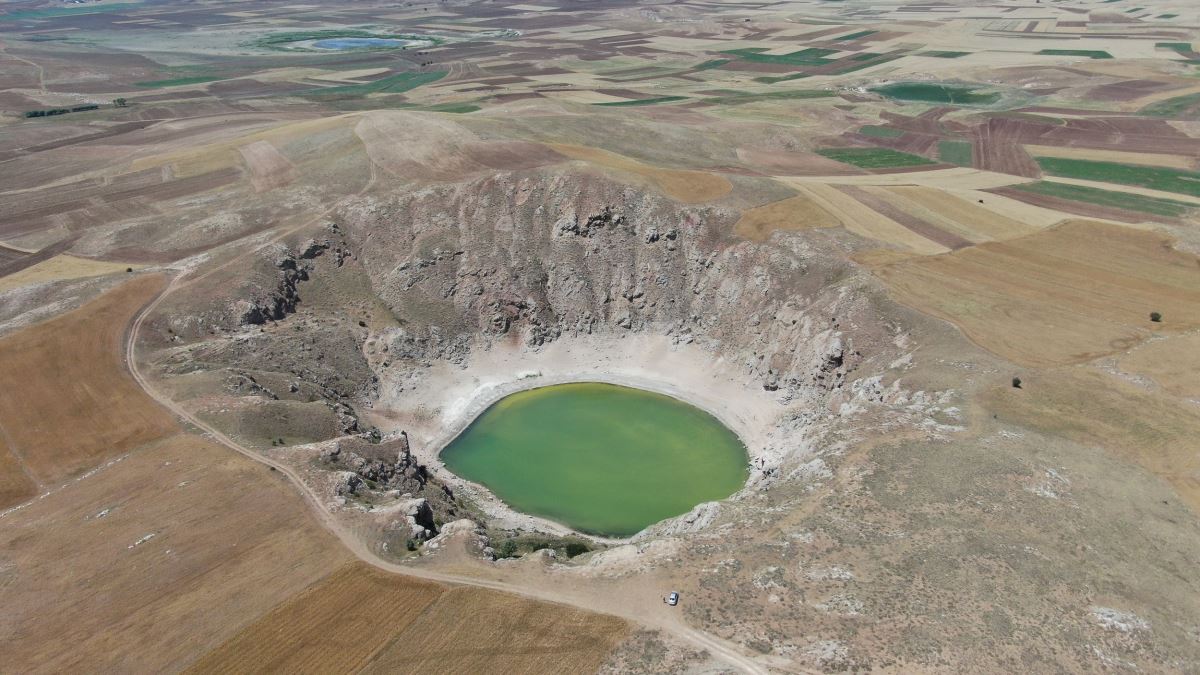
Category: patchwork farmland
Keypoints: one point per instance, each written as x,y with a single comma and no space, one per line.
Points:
935,265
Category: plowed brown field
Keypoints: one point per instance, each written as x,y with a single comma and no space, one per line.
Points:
68,402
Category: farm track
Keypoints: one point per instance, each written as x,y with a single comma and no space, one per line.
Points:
718,648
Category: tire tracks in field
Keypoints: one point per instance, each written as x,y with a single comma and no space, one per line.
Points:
716,647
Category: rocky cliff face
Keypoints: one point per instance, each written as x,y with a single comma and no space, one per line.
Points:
537,257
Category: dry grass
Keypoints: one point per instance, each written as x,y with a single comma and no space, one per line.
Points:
1087,406
689,187
968,220
268,167
231,541
865,222
69,402
794,213
61,267
1172,363
337,625
472,630
1066,295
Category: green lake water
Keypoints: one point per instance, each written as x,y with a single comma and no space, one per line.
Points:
599,458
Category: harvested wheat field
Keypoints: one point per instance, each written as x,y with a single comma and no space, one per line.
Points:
173,548
687,186
336,626
70,402
1066,295
794,213
474,630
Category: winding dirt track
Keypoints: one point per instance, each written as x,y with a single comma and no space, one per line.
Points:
696,638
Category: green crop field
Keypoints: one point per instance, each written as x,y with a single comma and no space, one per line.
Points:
959,153
1089,53
855,36
642,101
813,56
875,131
740,97
1121,200
944,54
714,63
392,84
178,81
1182,47
936,93
874,158
1152,177
1173,107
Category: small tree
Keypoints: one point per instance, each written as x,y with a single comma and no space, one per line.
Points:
120,102
1016,383
1156,317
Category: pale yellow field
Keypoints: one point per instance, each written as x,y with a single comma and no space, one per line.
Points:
865,222
1065,295
62,267
686,186
969,220
794,213
1149,158
1173,363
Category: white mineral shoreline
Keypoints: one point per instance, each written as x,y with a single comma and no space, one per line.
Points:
448,398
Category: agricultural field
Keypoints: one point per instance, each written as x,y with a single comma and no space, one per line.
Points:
934,265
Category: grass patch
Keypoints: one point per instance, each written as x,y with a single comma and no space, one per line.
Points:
942,54
928,92
1172,107
454,108
874,158
565,547
1120,200
959,153
1152,177
748,97
813,56
642,101
178,81
1181,47
1166,16
1089,53
392,84
875,131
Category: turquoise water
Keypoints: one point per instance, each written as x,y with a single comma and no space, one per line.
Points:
342,44
599,458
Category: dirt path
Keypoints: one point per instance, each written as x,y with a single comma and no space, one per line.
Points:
718,648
